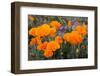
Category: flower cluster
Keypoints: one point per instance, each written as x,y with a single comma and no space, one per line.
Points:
50,37
76,37
46,30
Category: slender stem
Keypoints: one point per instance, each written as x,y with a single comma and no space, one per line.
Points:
61,53
77,50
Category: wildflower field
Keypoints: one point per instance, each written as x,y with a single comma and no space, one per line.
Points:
57,37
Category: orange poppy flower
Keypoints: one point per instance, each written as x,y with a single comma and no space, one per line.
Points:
55,24
73,38
42,46
66,36
58,39
81,29
52,32
53,45
43,30
33,31
36,40
48,53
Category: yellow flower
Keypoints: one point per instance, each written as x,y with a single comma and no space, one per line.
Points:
69,23
55,24
52,32
81,29
31,18
53,45
43,30
58,39
73,38
36,40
